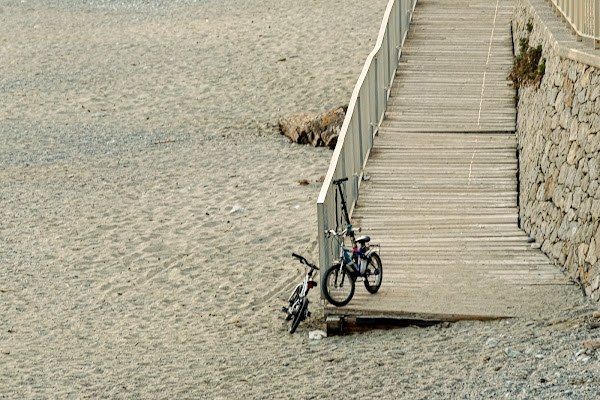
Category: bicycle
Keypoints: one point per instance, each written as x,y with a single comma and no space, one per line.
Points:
298,301
360,261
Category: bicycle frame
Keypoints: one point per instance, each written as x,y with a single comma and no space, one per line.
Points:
349,256
304,286
346,257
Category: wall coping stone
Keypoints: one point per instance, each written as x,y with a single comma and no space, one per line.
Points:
560,37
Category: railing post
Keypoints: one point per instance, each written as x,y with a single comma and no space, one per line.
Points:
389,57
372,94
401,23
323,241
360,134
376,92
355,178
578,20
597,24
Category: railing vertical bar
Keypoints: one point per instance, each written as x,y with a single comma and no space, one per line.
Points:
588,15
401,23
376,69
322,225
366,123
399,29
387,58
396,32
351,167
372,122
366,120
578,19
382,91
358,168
597,25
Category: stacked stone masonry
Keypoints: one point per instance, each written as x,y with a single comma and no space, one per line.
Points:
558,133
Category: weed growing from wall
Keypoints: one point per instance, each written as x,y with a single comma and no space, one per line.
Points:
528,66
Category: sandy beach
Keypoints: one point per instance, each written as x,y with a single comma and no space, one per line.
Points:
129,132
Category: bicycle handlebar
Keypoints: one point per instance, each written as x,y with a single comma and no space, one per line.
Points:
304,260
345,232
337,181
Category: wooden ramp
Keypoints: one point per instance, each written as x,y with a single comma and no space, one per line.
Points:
442,194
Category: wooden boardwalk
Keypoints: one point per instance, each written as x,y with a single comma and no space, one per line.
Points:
442,194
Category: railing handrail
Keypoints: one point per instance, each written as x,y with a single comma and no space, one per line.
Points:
365,112
572,11
352,103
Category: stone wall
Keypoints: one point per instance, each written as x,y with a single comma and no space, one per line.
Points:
559,143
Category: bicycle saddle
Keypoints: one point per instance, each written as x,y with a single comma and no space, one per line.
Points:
363,239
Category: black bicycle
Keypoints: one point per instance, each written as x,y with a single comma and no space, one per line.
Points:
361,261
298,301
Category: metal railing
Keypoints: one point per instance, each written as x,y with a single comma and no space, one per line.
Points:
582,16
364,115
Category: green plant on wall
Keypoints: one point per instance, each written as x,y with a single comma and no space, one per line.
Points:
528,66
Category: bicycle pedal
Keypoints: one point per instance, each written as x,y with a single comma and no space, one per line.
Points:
284,309
308,313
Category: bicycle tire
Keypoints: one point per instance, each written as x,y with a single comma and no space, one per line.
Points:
299,316
333,288
374,268
293,299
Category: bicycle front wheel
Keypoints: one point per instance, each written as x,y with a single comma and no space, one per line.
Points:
374,273
339,286
293,300
299,316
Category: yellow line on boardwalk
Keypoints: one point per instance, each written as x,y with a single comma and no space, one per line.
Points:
487,63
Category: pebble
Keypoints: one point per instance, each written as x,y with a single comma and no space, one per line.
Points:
579,352
317,335
491,342
236,209
511,353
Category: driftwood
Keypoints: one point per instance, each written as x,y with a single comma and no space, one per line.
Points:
318,129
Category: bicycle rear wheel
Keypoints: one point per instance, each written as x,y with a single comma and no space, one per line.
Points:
299,316
339,286
373,274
